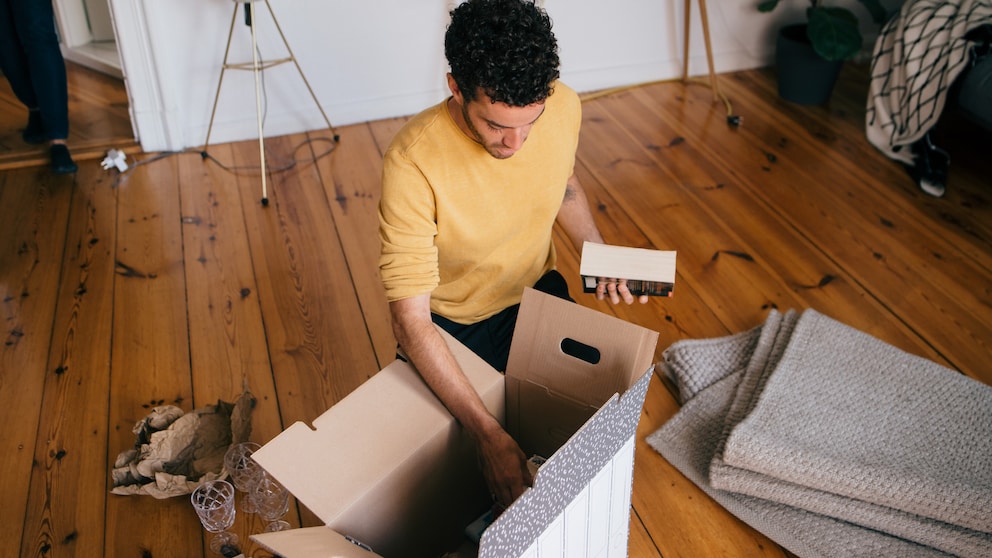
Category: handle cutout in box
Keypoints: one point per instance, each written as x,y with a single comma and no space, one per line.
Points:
581,351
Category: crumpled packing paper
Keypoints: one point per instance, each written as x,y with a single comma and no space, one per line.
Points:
174,452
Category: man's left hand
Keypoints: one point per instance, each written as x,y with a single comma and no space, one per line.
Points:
616,290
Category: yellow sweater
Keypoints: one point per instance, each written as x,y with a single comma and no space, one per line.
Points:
468,228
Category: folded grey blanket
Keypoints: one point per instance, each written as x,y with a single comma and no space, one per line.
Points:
832,442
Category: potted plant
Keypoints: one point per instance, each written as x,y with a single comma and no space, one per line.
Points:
809,55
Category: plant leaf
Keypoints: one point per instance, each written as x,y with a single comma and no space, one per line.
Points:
834,32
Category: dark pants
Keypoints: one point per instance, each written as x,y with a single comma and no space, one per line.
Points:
32,62
490,338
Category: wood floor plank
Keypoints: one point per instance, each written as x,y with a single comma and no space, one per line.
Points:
227,332
35,208
69,484
351,176
318,344
150,360
640,543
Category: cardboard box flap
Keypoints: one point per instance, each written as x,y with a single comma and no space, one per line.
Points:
579,353
565,362
388,452
311,542
318,455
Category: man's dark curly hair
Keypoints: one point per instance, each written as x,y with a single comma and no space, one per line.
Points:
505,47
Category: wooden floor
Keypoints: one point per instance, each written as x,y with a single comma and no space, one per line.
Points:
173,284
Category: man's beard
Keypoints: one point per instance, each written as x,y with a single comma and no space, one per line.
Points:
491,149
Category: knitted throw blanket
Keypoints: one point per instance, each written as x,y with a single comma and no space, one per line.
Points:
916,58
833,443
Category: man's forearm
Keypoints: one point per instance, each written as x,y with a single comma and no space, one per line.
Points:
429,353
575,217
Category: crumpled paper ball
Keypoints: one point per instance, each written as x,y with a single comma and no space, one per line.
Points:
174,452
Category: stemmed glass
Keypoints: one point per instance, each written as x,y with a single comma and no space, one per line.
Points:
243,470
214,505
271,501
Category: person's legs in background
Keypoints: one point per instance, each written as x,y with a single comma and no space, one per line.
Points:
32,62
13,62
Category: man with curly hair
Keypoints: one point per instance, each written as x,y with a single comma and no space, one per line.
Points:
471,189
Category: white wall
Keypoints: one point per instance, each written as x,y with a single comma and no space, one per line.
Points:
374,59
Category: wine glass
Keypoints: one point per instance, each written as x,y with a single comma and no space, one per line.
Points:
214,505
243,470
271,501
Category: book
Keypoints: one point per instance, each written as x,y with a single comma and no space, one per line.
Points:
649,272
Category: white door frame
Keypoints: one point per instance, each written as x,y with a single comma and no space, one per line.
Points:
152,107
77,40
71,18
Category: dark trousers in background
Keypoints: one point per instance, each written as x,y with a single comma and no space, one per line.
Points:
490,338
32,62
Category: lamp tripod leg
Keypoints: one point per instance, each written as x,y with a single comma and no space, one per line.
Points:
685,41
258,102
732,119
220,81
709,49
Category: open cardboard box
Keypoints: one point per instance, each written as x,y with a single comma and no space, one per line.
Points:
390,467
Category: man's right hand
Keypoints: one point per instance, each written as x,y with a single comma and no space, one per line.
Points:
504,466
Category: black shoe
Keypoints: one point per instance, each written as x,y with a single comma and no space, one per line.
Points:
930,168
62,162
34,133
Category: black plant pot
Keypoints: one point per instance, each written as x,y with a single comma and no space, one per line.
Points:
804,77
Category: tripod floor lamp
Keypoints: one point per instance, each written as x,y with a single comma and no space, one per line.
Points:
257,66
732,119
